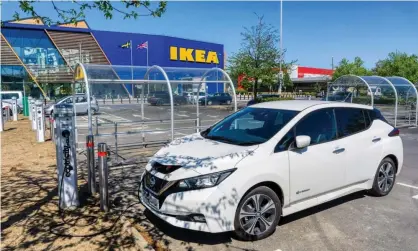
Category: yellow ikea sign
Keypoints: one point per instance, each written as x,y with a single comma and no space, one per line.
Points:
193,55
79,74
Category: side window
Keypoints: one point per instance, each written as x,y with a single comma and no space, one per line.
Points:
350,121
285,142
81,100
319,125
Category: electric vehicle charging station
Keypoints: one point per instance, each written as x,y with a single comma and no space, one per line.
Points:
66,155
33,111
14,108
30,107
40,121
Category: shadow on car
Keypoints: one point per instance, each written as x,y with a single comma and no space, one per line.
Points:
184,234
203,238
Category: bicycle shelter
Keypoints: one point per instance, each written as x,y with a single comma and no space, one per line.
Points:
168,79
396,97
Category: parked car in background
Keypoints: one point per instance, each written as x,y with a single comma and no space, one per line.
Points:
81,105
188,96
201,95
261,97
339,96
8,97
6,105
217,99
163,98
268,161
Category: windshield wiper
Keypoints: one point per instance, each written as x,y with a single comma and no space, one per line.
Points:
249,143
220,138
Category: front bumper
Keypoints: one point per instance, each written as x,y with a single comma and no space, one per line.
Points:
210,202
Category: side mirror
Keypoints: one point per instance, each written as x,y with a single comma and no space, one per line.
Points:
303,141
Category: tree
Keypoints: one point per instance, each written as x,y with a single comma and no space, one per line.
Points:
345,67
129,9
258,57
398,64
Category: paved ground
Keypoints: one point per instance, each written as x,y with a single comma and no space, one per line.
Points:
355,222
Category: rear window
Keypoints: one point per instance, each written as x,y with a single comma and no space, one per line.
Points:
350,121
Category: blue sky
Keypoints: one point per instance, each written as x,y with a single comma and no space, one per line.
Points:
313,32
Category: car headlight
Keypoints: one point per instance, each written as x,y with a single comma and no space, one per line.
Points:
204,181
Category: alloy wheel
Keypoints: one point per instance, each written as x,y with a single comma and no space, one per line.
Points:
386,177
257,214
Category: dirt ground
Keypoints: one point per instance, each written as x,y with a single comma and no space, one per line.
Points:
30,219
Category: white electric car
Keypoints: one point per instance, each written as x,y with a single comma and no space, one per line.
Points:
271,160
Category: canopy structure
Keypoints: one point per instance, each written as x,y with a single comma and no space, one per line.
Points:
172,80
396,97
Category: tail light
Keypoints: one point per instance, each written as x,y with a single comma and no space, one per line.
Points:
394,132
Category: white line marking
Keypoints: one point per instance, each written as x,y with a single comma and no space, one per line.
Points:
181,133
139,116
182,115
415,197
406,185
213,116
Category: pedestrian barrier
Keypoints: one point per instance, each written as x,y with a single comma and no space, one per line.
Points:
103,176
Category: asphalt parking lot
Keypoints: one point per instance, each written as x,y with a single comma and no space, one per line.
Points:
354,222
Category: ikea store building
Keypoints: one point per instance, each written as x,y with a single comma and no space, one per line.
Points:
43,58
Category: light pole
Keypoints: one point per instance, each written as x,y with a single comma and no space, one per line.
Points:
281,48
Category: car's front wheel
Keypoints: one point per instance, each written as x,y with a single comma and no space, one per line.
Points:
385,178
257,214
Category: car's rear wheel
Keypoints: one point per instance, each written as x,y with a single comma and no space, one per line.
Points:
209,102
257,214
228,102
385,178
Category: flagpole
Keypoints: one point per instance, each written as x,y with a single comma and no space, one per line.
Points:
132,70
147,64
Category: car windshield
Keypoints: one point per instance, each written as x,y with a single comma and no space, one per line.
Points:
249,126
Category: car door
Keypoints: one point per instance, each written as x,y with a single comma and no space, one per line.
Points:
81,104
316,169
362,144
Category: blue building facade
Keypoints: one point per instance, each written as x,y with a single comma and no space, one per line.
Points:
43,58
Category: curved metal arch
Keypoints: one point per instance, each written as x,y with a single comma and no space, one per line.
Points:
396,94
170,91
200,84
416,94
86,82
362,80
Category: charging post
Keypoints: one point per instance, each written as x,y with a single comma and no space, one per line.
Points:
66,156
33,111
14,108
40,121
30,108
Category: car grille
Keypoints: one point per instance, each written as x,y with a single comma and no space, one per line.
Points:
154,183
165,169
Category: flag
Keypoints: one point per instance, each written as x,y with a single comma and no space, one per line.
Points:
127,45
143,45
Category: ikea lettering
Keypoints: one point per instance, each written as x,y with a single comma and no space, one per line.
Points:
193,55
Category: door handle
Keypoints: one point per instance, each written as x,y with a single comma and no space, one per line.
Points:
376,139
339,150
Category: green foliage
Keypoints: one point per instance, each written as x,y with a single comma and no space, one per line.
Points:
398,64
259,56
287,82
130,9
345,67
